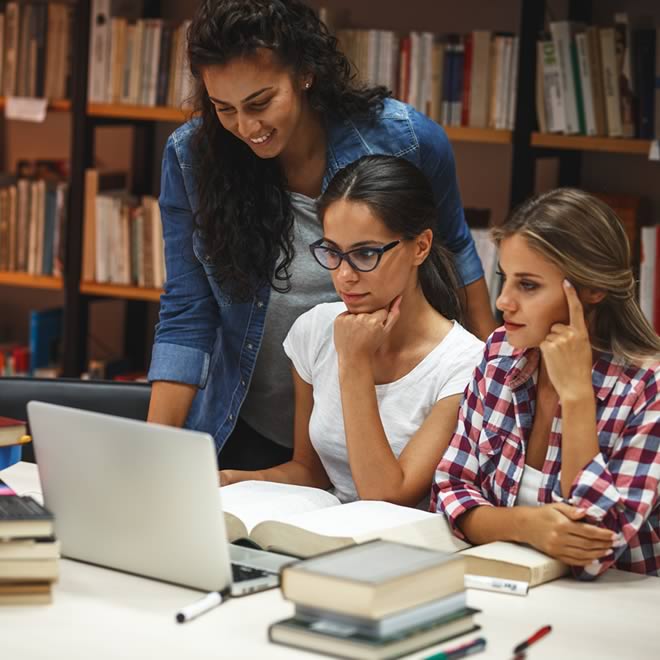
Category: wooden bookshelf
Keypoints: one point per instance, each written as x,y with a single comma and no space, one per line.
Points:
59,105
480,135
31,281
140,112
584,143
120,291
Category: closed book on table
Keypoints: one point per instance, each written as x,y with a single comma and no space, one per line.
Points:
387,626
22,517
302,634
27,570
374,579
40,548
511,561
11,431
25,593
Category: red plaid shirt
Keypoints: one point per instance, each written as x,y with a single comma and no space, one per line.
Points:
484,463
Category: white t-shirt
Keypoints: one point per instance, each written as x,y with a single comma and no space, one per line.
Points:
403,404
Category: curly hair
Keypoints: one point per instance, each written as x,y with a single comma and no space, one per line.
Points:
244,215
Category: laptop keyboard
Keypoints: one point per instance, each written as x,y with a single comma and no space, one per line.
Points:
241,573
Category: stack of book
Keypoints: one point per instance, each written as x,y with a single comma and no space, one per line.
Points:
376,600
29,551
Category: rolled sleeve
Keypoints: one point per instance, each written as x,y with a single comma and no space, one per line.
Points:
189,315
181,364
621,492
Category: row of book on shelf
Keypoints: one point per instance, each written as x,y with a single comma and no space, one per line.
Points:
139,61
33,209
599,81
35,49
29,550
122,234
457,80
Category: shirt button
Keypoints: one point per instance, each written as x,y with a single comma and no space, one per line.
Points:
260,304
249,347
231,417
243,383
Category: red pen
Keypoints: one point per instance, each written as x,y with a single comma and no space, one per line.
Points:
523,646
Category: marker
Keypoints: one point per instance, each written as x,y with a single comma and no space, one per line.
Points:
200,606
475,646
523,646
515,587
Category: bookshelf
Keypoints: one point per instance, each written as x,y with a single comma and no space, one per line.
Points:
120,291
25,280
521,148
584,143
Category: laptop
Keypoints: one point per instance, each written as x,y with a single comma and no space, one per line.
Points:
142,498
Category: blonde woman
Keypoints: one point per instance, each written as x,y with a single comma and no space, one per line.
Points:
558,439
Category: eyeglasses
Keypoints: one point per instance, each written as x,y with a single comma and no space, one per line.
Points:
363,259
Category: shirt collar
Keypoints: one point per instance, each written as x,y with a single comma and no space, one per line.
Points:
605,373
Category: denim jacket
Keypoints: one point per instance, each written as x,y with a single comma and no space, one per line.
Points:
205,339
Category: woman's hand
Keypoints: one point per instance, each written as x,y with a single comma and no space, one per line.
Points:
556,530
224,478
567,352
360,335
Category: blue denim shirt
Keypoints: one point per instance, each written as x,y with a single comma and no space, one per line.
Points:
205,339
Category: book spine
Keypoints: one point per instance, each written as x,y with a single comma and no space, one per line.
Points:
579,95
467,80
11,48
644,75
610,82
99,47
596,70
562,37
624,71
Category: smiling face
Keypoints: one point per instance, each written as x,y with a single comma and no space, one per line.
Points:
532,297
349,225
258,100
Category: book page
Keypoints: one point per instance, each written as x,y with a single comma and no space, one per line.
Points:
255,501
366,519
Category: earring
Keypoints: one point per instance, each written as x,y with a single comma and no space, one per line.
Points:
308,85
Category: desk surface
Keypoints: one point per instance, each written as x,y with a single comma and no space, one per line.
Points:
99,613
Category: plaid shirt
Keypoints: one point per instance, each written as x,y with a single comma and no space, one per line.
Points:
619,488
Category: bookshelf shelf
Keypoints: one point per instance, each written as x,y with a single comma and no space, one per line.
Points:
59,105
31,281
143,112
584,143
481,135
120,291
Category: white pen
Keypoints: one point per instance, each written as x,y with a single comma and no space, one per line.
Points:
515,587
200,606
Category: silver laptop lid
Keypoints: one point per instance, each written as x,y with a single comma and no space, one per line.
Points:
138,497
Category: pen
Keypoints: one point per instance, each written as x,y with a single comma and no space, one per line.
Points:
515,587
475,646
523,646
200,606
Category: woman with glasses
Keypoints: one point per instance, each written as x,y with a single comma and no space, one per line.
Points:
378,376
278,114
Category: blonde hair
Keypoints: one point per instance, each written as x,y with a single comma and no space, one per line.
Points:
584,237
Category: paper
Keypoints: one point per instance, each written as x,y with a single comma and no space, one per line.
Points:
654,150
26,108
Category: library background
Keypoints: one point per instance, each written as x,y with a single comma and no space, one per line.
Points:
532,95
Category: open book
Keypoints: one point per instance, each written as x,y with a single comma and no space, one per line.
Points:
304,522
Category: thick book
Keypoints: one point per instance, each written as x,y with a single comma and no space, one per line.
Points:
387,626
373,579
511,561
40,548
29,570
303,634
304,522
25,593
11,432
23,517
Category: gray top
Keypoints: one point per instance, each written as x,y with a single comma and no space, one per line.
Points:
268,406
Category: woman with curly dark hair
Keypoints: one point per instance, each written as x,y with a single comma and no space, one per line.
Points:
279,113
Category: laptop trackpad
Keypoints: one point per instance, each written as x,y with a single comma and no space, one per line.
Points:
265,561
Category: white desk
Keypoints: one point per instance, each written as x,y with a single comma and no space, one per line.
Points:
99,613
